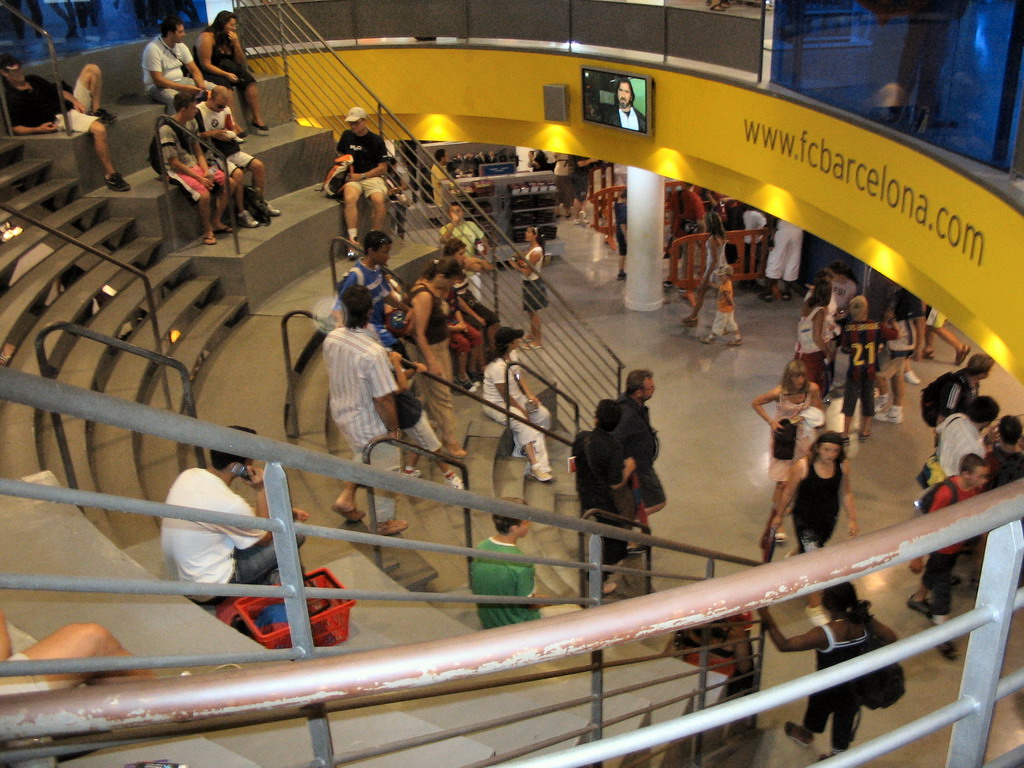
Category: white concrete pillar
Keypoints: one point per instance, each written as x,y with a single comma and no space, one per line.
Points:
644,239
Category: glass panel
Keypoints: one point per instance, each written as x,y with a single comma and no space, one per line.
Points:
79,25
947,71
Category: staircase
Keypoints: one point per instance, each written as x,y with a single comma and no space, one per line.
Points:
279,39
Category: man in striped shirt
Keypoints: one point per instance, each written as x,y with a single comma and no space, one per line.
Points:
362,395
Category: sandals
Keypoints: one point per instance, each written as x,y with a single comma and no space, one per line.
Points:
719,6
223,230
209,240
351,515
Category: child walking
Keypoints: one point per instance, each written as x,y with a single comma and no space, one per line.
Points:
725,317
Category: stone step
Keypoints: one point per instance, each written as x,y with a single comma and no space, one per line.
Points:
23,174
22,303
74,305
43,197
71,219
10,150
162,462
190,750
179,307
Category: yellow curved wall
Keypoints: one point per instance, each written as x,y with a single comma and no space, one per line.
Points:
702,133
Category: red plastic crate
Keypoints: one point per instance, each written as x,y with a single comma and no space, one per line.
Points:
330,625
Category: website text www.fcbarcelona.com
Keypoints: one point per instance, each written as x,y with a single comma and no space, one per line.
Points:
879,184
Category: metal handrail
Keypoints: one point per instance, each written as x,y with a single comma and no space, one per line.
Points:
188,403
474,396
221,160
291,405
307,40
146,283
319,681
53,60
367,457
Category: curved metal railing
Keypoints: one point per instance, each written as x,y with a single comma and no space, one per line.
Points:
321,681
321,83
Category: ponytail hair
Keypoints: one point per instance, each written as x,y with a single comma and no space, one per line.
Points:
841,600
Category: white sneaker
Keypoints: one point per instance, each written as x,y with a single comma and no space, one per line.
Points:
246,220
894,415
271,209
540,473
453,480
911,378
882,404
411,472
781,537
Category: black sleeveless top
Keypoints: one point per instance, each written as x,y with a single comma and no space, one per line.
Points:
817,501
437,323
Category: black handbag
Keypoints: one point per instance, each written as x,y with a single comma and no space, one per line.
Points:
784,440
409,410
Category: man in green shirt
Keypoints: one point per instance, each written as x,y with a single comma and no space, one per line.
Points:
503,578
469,232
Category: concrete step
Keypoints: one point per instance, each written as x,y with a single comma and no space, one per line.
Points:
44,197
141,622
125,374
295,157
23,174
158,460
71,219
191,750
161,462
10,150
26,299
112,455
287,742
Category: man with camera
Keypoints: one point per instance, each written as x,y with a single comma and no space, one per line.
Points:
209,553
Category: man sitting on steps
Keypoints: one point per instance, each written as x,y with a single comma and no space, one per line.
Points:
218,125
208,553
34,106
185,164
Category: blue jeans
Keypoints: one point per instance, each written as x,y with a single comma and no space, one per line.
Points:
257,565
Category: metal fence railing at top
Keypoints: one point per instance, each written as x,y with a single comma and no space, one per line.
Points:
308,689
98,408
280,40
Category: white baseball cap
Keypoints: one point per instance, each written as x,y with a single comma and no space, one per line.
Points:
355,114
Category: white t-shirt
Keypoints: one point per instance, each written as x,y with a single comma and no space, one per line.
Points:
494,374
958,436
753,219
204,552
169,62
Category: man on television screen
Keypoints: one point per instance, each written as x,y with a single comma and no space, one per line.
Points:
623,113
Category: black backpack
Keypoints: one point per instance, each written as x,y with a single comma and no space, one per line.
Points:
1010,469
255,205
883,687
923,503
930,396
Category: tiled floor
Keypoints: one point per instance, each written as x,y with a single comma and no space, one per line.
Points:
713,463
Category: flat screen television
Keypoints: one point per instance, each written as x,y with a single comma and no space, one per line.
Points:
618,100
